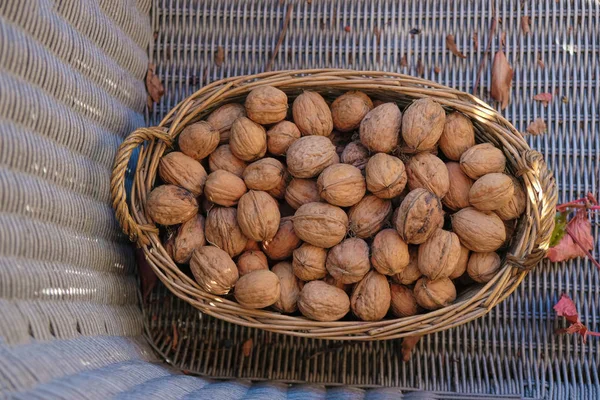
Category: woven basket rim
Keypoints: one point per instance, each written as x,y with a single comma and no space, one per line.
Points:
528,247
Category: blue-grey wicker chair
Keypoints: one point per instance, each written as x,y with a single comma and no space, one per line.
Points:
72,87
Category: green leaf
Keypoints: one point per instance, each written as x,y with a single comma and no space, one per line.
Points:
560,228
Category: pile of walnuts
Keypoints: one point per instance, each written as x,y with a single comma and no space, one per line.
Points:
355,205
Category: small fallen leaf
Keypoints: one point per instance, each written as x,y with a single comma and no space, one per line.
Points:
566,308
525,20
437,69
565,99
537,127
475,41
540,63
503,39
578,241
451,45
502,75
404,61
377,34
347,28
175,337
420,68
544,98
220,56
408,344
247,347
154,86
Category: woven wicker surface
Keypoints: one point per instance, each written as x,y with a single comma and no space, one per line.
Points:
81,339
512,350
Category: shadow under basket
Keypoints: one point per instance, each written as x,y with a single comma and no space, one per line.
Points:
526,248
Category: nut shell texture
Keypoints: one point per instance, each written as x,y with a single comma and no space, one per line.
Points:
371,297
479,231
308,156
309,262
434,294
422,125
198,140
482,159
385,176
341,185
171,205
349,109
323,302
348,262
214,270
320,224
258,289
427,171
181,170
368,216
222,230
457,137
379,129
248,140
419,215
389,253
312,114
258,215
266,105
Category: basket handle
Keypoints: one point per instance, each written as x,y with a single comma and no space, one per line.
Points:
135,231
546,208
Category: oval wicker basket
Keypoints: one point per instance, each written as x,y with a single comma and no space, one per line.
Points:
527,248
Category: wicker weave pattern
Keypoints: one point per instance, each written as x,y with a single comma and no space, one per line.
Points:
511,350
71,87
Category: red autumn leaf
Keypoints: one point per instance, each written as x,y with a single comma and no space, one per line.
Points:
578,241
247,347
153,85
347,28
502,75
220,56
544,98
537,127
566,308
408,344
451,45
525,20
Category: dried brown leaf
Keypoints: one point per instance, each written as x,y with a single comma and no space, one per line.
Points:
404,61
154,86
503,39
540,63
377,34
247,347
175,337
475,41
544,98
437,69
220,56
408,344
537,127
420,68
451,45
502,75
525,21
